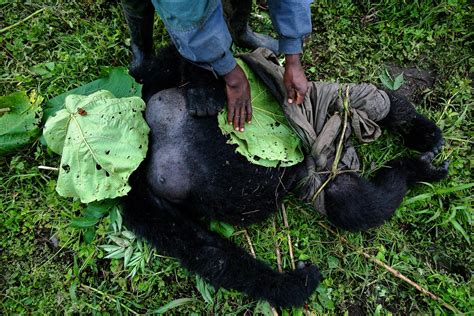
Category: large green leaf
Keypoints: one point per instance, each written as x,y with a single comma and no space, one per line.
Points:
102,140
269,141
117,81
19,124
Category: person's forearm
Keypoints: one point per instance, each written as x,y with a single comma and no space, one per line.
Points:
292,21
293,59
201,37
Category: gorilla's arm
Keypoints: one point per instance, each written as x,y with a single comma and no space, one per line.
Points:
223,264
354,203
418,132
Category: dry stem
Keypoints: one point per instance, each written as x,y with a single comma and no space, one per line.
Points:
290,245
277,248
392,270
249,241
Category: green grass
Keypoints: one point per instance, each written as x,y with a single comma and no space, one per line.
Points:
48,267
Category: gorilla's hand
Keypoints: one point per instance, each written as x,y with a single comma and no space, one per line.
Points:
205,100
294,79
239,108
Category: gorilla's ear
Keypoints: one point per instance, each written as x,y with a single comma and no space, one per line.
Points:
205,100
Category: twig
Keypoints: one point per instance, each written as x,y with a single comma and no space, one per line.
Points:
48,168
392,271
274,311
86,287
21,21
277,248
249,241
5,110
334,172
287,227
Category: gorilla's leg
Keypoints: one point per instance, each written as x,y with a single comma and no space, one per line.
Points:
418,132
140,16
214,258
237,13
354,203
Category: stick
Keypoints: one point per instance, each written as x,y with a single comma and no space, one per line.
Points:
392,271
249,241
5,110
48,168
21,21
290,246
277,249
90,288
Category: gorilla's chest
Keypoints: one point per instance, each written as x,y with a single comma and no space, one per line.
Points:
190,162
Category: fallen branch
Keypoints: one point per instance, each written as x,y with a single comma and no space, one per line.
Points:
22,21
5,110
392,271
110,297
290,245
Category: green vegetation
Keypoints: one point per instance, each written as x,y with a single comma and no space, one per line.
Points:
53,250
269,141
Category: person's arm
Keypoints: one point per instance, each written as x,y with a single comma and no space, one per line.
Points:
292,21
200,34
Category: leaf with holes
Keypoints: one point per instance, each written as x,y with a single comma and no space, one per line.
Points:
269,141
102,140
20,117
116,80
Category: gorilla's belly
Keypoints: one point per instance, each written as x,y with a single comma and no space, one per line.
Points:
190,163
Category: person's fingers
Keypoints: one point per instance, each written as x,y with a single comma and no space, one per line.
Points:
236,119
291,94
230,113
249,113
243,115
299,97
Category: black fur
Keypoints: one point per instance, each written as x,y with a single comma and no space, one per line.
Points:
191,175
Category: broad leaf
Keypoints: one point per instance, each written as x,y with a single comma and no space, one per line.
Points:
398,81
102,140
19,120
118,81
386,79
269,141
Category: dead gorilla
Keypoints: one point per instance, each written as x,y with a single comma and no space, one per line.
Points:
191,175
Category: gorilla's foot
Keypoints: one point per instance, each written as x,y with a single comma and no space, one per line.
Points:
432,172
422,169
251,39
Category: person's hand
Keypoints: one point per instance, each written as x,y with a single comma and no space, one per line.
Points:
294,79
239,108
